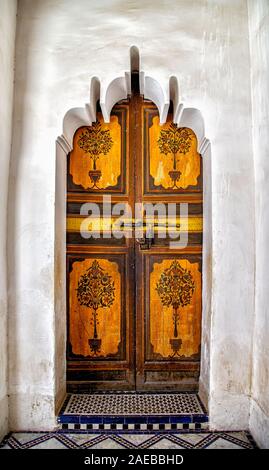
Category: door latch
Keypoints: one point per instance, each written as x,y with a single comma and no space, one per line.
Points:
144,243
147,240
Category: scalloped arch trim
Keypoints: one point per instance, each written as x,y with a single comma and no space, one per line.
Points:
110,92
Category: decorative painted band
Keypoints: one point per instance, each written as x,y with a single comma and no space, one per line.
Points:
141,427
102,224
168,419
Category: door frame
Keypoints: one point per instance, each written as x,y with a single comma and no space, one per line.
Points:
78,117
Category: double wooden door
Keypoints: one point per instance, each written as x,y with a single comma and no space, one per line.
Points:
134,300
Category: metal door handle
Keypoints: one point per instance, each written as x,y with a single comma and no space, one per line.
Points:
144,243
147,240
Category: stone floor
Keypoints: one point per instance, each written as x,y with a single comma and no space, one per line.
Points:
135,440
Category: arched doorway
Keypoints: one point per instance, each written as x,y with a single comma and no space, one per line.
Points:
134,301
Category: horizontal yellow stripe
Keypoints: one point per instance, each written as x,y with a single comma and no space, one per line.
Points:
185,224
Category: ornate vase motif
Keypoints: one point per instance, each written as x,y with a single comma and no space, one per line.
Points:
95,290
175,288
96,142
174,141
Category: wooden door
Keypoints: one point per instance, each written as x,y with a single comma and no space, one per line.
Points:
169,279
134,304
100,270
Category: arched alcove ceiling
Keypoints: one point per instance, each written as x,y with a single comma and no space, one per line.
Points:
109,93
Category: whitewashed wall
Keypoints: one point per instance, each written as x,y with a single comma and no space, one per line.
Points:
60,44
7,49
259,50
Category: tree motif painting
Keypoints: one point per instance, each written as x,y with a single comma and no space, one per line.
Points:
176,142
175,288
95,290
95,142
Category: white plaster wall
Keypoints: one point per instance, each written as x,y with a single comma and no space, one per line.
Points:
259,50
60,44
7,50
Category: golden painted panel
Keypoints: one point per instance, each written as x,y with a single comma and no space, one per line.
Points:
102,224
95,307
175,308
174,160
96,158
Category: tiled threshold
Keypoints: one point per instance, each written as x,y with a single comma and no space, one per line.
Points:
160,421
128,412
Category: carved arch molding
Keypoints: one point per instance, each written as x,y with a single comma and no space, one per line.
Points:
153,89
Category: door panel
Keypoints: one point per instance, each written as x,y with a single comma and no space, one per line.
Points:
100,352
100,270
99,159
169,280
134,304
96,283
171,161
173,281
170,332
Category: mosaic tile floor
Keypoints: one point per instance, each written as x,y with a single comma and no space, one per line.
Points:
133,404
125,411
61,440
